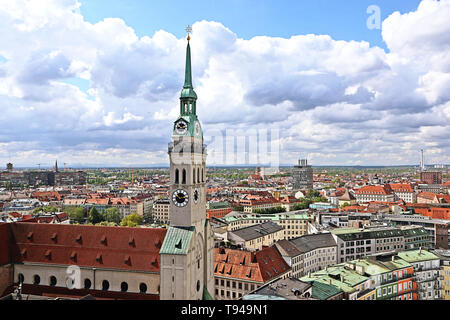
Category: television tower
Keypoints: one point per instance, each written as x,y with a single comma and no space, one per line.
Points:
422,161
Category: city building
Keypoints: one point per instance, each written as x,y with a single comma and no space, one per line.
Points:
218,209
308,253
427,271
161,210
238,272
356,243
374,193
294,223
302,175
256,237
403,191
431,177
444,256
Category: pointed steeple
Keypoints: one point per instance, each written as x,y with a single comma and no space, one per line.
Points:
56,166
188,72
188,96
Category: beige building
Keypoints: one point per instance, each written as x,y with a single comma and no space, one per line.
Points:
161,210
256,237
295,223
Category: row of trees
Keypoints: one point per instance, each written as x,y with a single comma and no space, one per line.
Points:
107,217
270,210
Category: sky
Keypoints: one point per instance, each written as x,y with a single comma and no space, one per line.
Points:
97,82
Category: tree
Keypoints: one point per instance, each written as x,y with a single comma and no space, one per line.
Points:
111,215
132,220
76,214
94,216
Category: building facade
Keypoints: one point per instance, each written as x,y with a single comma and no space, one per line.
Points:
302,175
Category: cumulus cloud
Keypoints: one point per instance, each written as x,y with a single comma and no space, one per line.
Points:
340,102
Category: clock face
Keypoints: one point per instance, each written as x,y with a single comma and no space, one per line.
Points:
180,198
197,129
196,195
181,127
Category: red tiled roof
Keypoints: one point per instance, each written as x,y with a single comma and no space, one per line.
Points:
401,187
443,198
86,243
260,266
427,195
384,190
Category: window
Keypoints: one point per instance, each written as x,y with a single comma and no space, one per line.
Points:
142,288
124,287
53,281
21,278
177,174
87,284
198,285
105,285
184,177
36,279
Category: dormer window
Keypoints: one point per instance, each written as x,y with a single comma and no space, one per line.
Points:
73,256
54,236
78,238
30,235
103,240
48,254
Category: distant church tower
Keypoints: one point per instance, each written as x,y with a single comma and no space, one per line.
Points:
187,253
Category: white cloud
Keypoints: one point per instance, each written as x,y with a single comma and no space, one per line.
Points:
339,101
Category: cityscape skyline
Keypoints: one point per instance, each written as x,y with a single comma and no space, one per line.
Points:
106,103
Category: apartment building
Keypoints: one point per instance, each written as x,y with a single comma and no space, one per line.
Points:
161,210
403,191
374,193
295,223
238,272
382,277
256,237
357,243
428,273
308,253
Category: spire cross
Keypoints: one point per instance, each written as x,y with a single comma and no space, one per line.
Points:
188,30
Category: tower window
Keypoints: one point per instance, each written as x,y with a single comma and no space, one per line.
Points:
36,279
124,287
184,176
177,174
21,278
193,175
198,175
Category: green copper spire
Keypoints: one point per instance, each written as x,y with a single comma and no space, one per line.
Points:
188,96
188,73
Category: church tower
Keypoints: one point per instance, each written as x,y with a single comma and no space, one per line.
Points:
187,254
